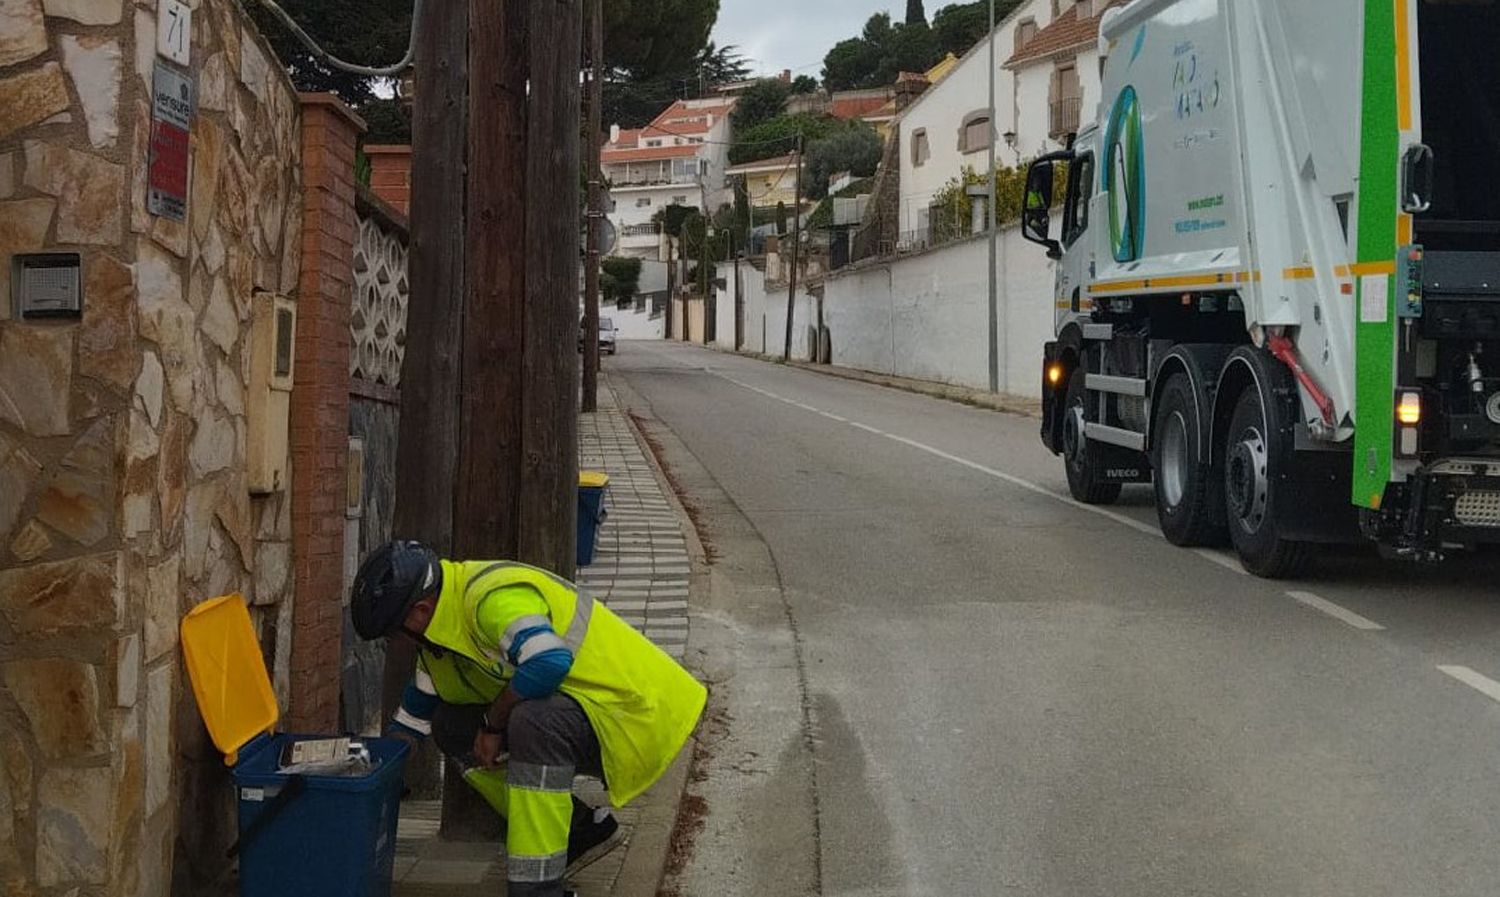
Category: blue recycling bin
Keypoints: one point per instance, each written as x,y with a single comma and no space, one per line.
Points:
591,489
322,836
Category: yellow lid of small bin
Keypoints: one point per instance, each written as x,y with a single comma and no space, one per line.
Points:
592,479
228,672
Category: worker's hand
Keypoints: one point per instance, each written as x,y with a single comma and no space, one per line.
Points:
487,749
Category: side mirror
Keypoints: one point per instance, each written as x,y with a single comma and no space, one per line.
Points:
1036,207
1417,173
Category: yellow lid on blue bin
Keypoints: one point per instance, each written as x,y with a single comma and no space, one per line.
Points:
592,479
228,673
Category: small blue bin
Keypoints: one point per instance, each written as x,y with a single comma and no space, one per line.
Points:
334,837
591,513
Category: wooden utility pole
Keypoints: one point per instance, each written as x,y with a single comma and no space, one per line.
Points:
486,494
549,377
596,207
791,292
427,455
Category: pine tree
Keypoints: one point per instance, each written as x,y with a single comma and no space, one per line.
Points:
915,14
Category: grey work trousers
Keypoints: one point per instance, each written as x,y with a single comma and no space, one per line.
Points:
547,732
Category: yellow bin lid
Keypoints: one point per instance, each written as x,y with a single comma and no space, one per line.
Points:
228,673
593,479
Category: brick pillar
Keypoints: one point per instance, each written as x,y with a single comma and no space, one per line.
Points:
320,409
390,174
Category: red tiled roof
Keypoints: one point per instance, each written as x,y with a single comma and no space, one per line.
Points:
629,137
683,119
1067,32
648,153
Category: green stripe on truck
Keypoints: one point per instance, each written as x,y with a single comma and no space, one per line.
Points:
1375,343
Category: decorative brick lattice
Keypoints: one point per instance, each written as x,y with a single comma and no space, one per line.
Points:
378,322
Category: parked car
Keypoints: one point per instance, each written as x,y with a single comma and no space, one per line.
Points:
606,335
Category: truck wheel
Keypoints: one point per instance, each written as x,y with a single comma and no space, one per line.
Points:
1253,456
1189,498
1085,481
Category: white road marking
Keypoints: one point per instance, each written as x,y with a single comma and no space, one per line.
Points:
831,416
866,427
1333,610
1477,681
1223,559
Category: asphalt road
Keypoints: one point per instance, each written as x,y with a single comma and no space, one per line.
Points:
1008,693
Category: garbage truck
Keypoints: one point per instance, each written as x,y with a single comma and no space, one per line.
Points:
1278,275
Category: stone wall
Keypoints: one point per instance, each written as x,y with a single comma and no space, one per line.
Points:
123,439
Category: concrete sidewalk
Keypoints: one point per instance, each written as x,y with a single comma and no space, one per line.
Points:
642,571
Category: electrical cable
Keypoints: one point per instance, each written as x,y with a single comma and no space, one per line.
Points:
387,71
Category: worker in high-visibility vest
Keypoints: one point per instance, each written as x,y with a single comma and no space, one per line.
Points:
525,681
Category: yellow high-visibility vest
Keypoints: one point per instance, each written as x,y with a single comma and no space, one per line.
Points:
642,704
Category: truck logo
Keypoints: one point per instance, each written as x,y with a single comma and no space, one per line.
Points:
1124,177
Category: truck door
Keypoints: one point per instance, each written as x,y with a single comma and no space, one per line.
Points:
1073,270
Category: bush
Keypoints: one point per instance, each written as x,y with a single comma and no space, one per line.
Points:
619,278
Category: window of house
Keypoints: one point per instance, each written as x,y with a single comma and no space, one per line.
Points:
975,134
642,202
653,143
921,151
679,200
1025,31
1066,100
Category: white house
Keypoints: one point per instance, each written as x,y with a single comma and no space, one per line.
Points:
1046,79
677,159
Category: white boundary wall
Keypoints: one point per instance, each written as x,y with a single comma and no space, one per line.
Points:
926,315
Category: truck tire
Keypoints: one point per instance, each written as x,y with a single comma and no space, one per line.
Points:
1085,480
1253,455
1189,497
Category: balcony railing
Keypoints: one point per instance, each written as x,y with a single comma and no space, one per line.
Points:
1064,117
638,230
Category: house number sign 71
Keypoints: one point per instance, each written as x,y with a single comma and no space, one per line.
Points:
174,30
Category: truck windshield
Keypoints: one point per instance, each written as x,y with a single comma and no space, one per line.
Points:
1461,122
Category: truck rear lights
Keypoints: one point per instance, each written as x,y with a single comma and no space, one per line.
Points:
1054,373
1409,409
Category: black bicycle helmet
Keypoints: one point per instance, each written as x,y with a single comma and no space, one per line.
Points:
393,577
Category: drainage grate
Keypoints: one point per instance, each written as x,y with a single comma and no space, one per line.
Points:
1478,508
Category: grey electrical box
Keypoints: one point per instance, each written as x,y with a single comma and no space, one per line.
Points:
47,285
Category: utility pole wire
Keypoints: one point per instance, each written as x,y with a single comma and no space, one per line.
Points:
387,71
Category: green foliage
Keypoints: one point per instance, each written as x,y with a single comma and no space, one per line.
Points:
633,96
879,54
856,150
778,136
619,278
953,208
761,102
652,38
370,32
804,84
822,216
915,14
781,218
389,121
673,218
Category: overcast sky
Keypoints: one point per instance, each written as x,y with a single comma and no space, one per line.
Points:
795,34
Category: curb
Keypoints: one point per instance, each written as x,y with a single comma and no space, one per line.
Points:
963,395
649,848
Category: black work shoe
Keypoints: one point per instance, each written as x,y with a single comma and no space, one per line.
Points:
592,838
